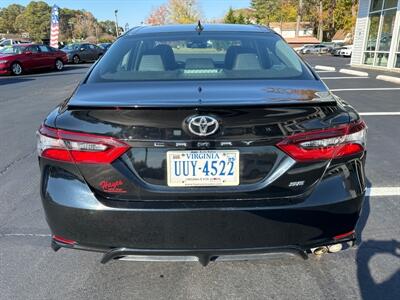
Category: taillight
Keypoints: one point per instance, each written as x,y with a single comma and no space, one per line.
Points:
69,146
326,144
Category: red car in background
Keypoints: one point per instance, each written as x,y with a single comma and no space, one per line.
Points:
27,57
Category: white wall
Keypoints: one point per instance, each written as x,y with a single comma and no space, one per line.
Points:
360,32
292,33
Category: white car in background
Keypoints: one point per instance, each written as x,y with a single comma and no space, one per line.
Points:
347,51
10,42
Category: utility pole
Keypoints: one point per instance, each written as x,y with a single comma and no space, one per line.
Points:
299,12
320,25
116,22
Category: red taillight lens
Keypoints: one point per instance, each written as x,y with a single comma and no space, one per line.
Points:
78,147
326,144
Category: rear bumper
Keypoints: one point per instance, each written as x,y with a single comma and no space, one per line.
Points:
73,212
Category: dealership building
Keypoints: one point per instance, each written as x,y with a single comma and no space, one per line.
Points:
377,35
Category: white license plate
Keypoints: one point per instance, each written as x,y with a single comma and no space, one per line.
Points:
203,168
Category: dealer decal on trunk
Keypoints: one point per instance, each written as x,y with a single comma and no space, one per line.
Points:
112,186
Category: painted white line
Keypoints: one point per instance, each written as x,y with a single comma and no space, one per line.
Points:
343,77
325,71
366,89
353,72
26,234
388,78
383,191
380,114
324,68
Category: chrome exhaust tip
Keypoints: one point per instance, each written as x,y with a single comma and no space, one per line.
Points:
320,250
335,248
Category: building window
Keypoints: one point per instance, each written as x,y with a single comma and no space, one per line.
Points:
397,64
380,32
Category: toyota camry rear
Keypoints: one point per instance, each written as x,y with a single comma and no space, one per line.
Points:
202,143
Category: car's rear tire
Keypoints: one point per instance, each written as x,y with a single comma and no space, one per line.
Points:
16,69
59,65
76,59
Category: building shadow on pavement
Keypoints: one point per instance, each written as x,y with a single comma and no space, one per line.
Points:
367,249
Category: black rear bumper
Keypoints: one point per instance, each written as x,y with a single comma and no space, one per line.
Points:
73,212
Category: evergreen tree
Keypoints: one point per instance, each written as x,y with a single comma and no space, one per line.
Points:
230,17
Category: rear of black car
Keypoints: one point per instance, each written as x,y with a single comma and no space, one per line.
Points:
200,145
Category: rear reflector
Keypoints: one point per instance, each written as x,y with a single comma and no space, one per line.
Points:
63,240
69,146
343,235
326,144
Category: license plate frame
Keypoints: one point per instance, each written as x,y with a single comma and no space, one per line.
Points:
230,176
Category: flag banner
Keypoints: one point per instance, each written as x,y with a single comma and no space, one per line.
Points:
55,28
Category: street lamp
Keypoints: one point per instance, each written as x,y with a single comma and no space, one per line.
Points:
116,22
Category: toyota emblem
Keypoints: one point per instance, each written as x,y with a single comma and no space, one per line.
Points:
202,125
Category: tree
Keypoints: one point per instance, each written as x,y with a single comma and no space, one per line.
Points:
175,12
35,20
241,19
158,15
107,27
230,17
266,10
183,11
85,25
8,15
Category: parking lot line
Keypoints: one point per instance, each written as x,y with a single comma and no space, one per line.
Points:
343,77
365,89
27,234
383,191
380,113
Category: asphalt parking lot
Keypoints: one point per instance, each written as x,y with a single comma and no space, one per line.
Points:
29,269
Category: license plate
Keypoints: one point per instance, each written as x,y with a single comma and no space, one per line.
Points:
203,168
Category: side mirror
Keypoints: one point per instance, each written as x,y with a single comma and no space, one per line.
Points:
28,52
82,49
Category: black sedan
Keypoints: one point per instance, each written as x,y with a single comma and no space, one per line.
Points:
78,53
172,151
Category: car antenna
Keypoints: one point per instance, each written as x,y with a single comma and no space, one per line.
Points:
199,27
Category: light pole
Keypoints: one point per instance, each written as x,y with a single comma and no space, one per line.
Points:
116,22
298,20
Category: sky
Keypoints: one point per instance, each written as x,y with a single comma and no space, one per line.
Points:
134,12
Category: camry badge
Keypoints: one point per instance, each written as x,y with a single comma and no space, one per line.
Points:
203,125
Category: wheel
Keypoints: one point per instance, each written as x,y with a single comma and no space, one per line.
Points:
76,59
59,65
16,69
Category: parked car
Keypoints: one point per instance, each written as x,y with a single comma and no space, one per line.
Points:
83,52
163,156
26,57
347,51
315,49
10,42
104,46
336,51
299,49
333,45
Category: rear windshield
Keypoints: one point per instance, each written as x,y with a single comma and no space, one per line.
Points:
208,56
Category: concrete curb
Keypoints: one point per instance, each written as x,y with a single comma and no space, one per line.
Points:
388,78
354,72
324,68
